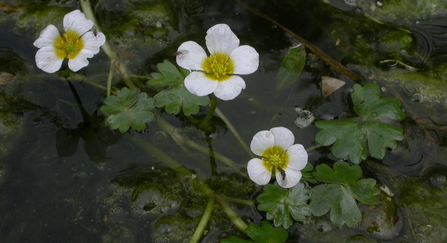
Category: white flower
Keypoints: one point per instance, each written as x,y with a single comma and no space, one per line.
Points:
218,72
76,44
278,155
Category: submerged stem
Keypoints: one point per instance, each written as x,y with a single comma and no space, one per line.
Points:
87,10
198,233
205,125
234,131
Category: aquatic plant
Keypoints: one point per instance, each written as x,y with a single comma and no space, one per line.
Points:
217,73
279,156
77,44
333,190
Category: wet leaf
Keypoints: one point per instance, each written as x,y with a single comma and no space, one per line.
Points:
291,67
339,196
128,108
261,234
344,174
284,205
355,136
177,98
168,74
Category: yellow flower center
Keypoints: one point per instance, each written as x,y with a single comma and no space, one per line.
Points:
275,158
218,66
68,45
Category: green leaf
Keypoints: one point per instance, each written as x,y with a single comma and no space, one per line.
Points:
178,98
348,176
234,239
339,197
355,136
284,205
291,67
342,173
261,234
169,74
128,108
307,173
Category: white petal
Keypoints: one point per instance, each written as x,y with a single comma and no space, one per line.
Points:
297,157
261,141
283,137
257,172
92,42
80,60
47,36
220,38
76,20
192,56
199,85
230,88
246,60
47,60
292,178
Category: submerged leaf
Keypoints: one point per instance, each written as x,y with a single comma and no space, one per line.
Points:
128,108
352,136
291,67
283,204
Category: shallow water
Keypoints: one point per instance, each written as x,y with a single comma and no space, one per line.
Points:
65,177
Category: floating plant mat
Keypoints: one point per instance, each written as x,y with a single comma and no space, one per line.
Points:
223,121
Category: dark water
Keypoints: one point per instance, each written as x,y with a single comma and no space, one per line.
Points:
65,177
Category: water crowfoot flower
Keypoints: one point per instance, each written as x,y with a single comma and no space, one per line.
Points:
218,72
278,156
76,44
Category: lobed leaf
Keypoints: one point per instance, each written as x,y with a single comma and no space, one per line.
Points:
128,108
354,137
284,205
169,74
340,195
177,98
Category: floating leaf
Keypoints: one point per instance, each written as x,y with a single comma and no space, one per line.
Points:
128,108
340,195
261,234
352,136
291,67
169,74
284,204
178,98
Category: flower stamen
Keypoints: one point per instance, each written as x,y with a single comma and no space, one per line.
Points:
68,45
275,158
218,66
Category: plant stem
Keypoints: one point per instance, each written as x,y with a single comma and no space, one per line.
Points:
314,147
234,131
198,233
157,153
205,125
87,10
240,224
181,140
109,80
